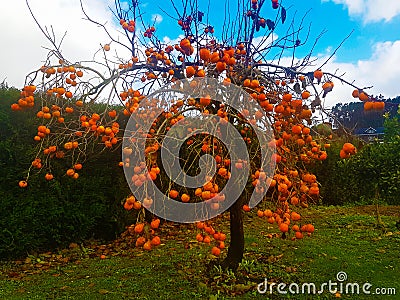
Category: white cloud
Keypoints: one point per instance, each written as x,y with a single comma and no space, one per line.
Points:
380,71
262,42
168,40
157,18
371,10
329,49
23,41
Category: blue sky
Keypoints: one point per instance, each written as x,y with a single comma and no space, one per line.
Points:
328,15
371,56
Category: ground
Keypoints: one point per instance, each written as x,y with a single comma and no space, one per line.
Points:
346,239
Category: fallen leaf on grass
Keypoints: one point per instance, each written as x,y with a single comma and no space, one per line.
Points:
103,291
290,269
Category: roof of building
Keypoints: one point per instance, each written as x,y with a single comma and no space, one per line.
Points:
369,131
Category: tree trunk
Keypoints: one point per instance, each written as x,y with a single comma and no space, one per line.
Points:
236,247
379,222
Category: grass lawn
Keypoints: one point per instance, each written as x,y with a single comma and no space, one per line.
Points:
345,240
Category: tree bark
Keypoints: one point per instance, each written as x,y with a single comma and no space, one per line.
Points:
236,246
379,222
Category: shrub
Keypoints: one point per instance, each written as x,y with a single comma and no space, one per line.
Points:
49,214
373,172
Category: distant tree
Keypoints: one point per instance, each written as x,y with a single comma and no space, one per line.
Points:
353,115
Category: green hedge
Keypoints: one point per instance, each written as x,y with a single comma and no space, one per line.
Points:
51,214
374,172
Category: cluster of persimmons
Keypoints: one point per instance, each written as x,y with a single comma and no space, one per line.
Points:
68,125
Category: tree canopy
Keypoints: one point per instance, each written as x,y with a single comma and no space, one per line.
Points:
213,123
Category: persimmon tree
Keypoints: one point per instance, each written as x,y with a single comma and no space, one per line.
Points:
190,102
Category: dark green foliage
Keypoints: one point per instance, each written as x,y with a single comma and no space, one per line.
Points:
374,173
46,214
392,125
352,115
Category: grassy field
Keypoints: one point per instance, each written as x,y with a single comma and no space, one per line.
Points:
346,240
